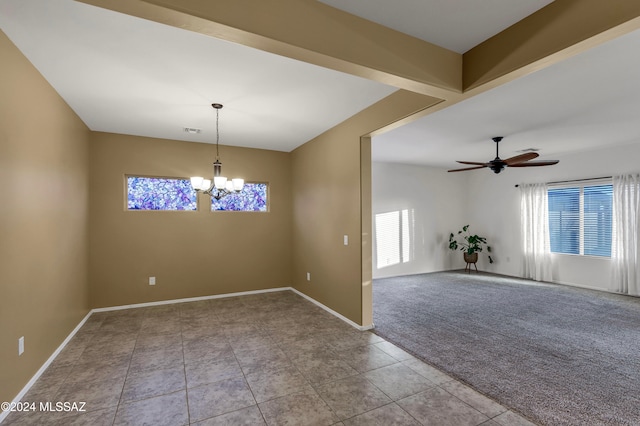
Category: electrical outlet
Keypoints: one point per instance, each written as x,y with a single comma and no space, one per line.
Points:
152,280
308,276
21,345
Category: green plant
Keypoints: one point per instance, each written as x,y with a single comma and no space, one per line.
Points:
468,243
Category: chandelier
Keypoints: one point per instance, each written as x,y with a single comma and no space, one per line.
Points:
221,186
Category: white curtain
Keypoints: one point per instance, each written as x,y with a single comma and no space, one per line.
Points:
626,242
535,231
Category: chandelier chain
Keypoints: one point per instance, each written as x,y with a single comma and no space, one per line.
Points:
217,134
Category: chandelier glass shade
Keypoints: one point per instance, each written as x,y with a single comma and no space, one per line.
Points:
219,186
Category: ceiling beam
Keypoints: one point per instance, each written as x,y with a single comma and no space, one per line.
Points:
310,31
313,32
557,31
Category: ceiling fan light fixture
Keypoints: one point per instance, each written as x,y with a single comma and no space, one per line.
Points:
497,165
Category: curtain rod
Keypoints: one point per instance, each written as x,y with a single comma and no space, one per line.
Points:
575,180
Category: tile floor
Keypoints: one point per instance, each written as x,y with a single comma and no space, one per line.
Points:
271,358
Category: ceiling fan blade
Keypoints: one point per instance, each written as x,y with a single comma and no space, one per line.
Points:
467,168
536,163
521,158
474,163
497,164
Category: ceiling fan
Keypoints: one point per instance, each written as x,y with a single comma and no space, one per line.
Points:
498,164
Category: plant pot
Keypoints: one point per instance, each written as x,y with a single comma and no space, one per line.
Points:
470,258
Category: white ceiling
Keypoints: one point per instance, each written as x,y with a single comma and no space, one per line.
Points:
585,102
456,25
126,75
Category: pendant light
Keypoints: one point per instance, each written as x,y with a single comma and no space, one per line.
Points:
220,186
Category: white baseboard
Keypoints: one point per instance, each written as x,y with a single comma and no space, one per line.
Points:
36,376
242,293
332,312
188,299
44,366
568,284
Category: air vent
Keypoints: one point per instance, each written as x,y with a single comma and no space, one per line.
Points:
192,130
529,150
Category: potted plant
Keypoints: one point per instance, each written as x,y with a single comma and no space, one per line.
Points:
469,244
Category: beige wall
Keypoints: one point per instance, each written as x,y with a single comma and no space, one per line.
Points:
190,253
43,219
327,185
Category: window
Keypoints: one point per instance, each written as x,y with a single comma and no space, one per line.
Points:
393,238
252,198
147,193
564,220
580,219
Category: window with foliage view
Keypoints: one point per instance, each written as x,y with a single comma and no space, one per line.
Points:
580,219
146,193
252,198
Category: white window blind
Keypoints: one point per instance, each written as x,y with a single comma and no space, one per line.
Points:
598,214
393,238
580,219
564,220
388,239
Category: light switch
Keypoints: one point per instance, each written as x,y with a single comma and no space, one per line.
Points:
346,240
